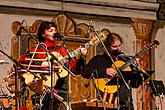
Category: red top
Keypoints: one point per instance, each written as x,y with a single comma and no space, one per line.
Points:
52,47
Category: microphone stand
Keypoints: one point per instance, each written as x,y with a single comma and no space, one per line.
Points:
53,58
51,93
68,85
117,69
16,65
16,86
141,74
97,90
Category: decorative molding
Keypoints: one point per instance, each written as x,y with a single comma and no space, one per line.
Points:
129,4
142,27
122,8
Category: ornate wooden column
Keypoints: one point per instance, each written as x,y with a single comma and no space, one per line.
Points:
142,29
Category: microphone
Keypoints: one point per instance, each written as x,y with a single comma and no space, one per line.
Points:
91,27
58,36
19,30
116,52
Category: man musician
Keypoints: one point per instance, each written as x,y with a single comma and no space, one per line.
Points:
100,66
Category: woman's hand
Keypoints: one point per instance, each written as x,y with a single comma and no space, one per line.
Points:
83,51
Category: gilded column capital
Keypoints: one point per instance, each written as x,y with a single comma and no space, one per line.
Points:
142,27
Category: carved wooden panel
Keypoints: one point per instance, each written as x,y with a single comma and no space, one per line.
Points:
23,42
79,91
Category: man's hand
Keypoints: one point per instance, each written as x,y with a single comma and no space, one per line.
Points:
111,72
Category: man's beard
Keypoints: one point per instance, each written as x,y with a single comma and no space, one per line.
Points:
115,52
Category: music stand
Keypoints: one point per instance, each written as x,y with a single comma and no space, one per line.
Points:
134,77
157,87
